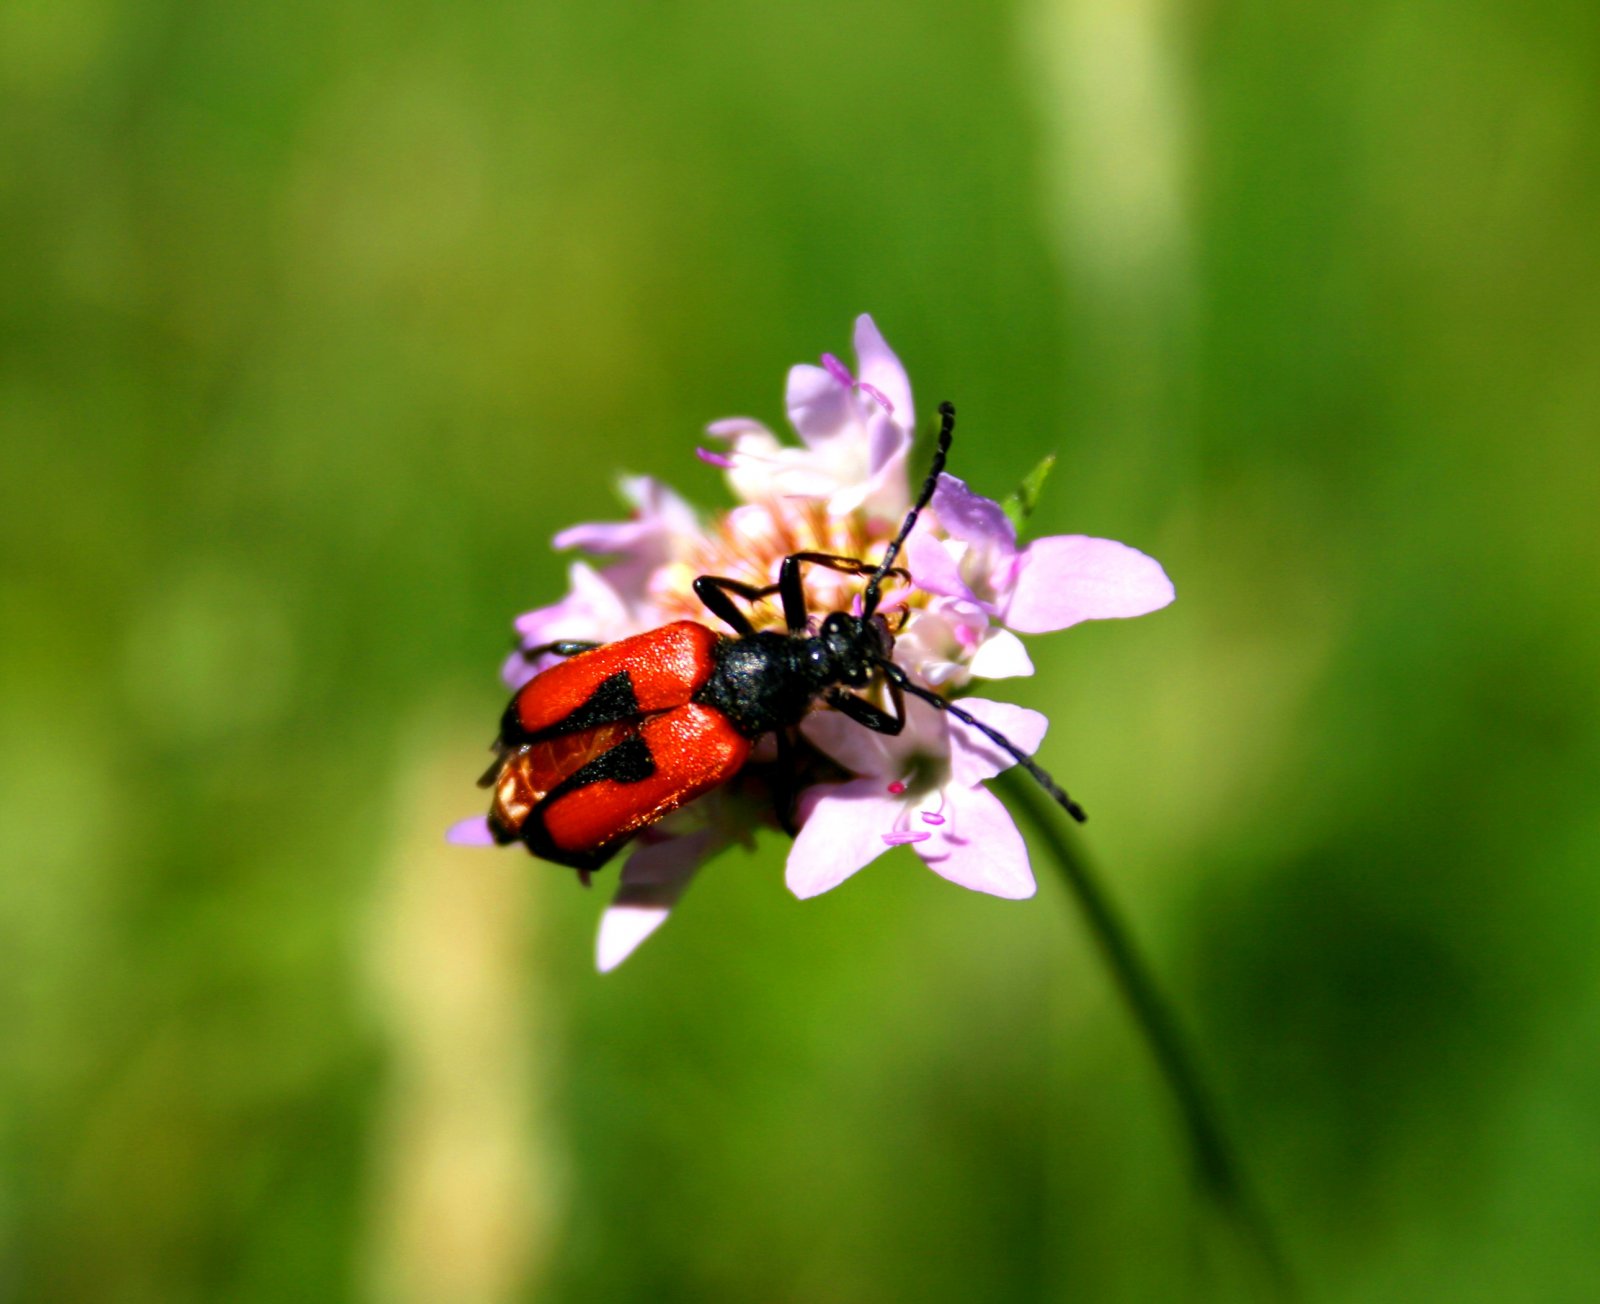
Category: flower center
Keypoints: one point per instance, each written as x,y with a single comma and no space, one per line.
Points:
749,544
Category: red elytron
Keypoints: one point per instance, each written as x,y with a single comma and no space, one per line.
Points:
615,738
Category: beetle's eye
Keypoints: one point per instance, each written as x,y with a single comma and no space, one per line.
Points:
883,636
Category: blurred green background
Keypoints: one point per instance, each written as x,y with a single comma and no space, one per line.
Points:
317,321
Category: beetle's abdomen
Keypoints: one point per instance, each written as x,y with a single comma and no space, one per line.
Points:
529,774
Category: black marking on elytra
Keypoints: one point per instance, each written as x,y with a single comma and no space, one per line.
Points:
629,761
613,699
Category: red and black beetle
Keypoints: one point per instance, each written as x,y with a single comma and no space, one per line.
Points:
620,735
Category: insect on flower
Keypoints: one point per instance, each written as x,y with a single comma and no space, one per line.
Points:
617,736
841,600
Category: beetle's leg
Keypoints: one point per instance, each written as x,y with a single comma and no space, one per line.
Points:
865,713
846,565
794,596
833,561
713,590
792,589
566,647
784,787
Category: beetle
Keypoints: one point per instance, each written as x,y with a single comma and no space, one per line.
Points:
616,736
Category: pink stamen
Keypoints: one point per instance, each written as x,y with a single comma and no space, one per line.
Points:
714,458
928,817
838,370
901,839
896,788
877,395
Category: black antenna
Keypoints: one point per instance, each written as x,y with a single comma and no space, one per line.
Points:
947,427
895,675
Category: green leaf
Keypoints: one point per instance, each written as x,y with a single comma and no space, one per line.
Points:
1019,506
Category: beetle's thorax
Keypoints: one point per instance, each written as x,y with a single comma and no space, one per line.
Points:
769,680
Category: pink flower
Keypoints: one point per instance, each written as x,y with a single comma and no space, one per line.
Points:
973,589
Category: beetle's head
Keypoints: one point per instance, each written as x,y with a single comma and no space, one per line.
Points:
855,645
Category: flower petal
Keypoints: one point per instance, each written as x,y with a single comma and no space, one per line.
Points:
939,641
623,929
881,489
1000,656
979,847
877,366
933,569
593,612
765,469
731,426
664,863
843,830
971,517
656,875
973,758
1067,578
819,405
472,832
658,515
859,750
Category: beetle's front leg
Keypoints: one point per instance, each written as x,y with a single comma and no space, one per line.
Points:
869,716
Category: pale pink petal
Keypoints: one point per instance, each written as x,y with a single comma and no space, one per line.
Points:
656,875
973,758
971,517
659,515
877,366
592,605
939,639
607,538
933,568
473,832
858,749
1067,578
978,846
1000,656
593,612
728,427
880,492
764,469
667,862
657,501
622,930
843,830
819,406
887,440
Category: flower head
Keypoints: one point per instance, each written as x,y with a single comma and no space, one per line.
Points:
973,587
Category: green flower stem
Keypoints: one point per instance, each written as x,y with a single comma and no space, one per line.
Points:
1215,1159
